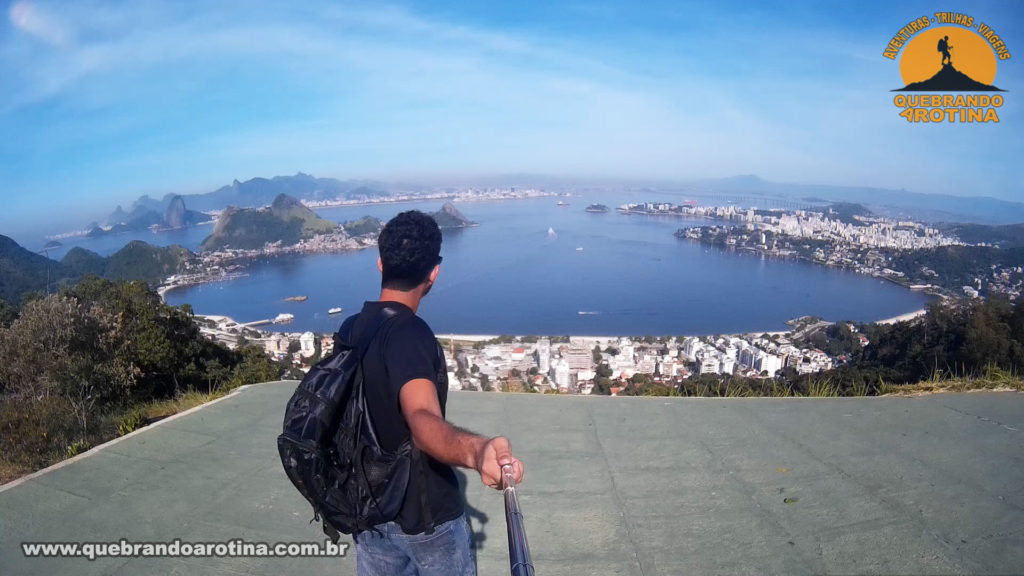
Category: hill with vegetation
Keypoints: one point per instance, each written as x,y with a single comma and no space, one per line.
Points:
286,221
22,271
25,272
1009,236
365,226
846,212
137,260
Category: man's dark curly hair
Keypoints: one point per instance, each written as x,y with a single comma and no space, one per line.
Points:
410,247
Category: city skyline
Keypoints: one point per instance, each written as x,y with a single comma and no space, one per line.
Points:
107,102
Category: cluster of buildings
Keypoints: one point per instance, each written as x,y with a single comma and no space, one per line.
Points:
1008,280
756,357
864,231
466,195
861,243
228,263
333,242
567,365
868,232
300,349
574,364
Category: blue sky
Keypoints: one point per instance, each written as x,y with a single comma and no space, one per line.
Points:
103,101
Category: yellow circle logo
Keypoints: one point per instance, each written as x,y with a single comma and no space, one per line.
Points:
948,58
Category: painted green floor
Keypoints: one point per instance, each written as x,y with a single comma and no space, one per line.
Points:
614,486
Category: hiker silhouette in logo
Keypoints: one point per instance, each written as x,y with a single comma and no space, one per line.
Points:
944,47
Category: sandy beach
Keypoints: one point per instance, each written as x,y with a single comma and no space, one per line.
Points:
903,317
602,339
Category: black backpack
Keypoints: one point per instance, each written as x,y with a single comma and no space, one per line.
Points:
329,448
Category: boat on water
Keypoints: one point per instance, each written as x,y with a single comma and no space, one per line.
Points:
336,310
561,203
296,299
579,248
585,313
283,318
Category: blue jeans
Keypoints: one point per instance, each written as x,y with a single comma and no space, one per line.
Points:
448,551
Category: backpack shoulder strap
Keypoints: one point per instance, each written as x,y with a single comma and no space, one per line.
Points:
370,330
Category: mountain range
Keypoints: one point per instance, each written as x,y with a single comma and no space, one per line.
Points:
167,216
259,192
170,211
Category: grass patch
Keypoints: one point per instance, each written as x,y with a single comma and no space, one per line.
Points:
953,385
44,434
160,409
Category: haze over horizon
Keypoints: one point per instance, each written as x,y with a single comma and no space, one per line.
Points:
108,102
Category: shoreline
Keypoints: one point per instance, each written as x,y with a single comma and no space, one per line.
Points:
903,317
464,337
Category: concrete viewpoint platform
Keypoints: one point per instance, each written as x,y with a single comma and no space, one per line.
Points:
921,485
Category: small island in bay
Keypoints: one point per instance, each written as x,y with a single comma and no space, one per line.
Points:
450,217
597,209
365,226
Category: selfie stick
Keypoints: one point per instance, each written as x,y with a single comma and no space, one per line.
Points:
518,548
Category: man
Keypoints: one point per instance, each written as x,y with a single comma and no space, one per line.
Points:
406,390
944,47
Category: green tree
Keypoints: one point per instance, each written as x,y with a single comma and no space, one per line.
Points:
603,386
56,348
216,375
255,367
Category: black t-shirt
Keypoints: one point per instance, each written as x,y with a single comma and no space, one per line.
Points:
406,349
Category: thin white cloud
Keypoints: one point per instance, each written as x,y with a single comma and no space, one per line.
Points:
40,23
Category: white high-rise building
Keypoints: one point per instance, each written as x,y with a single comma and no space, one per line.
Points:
709,364
544,355
690,348
726,365
306,344
769,363
560,374
626,348
746,356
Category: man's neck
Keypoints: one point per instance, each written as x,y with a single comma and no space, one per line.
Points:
411,298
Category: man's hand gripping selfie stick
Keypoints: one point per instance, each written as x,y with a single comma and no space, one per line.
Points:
518,548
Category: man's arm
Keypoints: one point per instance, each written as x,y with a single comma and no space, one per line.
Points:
448,444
